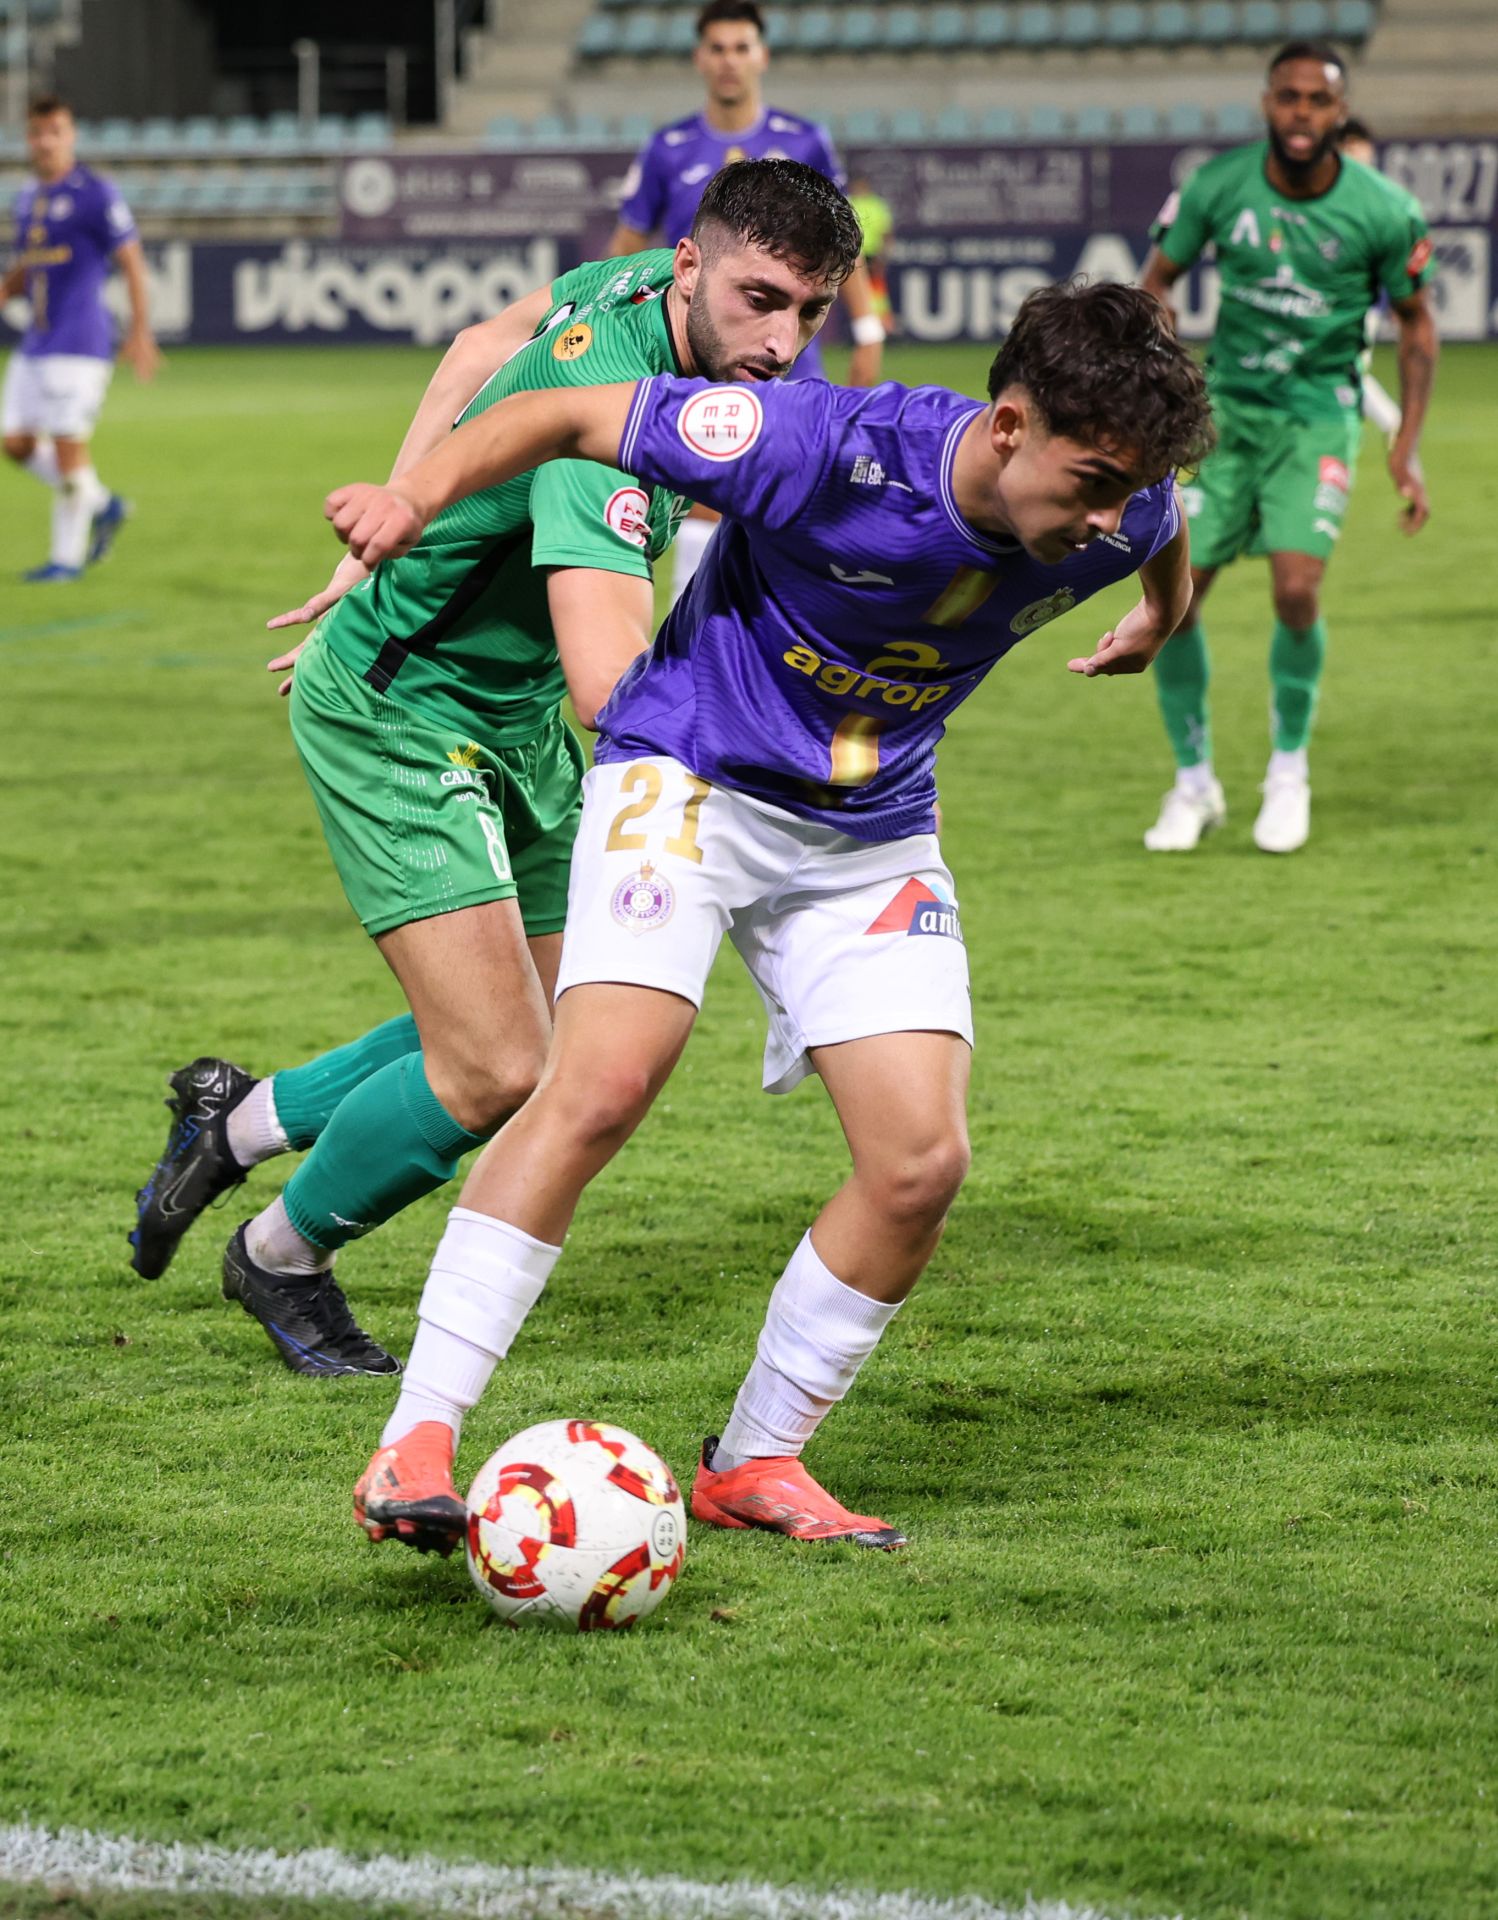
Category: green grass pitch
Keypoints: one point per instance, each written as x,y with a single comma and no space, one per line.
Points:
1191,1422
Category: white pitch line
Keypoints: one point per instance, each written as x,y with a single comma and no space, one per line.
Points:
92,1862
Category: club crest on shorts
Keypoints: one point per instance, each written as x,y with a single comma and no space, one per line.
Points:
916,908
644,901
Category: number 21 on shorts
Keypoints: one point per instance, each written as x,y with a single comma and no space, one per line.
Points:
647,780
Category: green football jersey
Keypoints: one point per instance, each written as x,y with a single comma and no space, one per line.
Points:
1298,276
459,629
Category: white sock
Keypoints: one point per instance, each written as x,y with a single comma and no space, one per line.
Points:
1294,765
1197,780
95,489
42,461
71,514
485,1278
692,537
273,1242
255,1134
817,1334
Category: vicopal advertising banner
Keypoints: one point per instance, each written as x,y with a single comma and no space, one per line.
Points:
429,243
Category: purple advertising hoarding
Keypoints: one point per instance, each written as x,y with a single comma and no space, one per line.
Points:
429,243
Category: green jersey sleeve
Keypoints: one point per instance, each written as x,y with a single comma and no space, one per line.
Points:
590,516
1407,260
1183,225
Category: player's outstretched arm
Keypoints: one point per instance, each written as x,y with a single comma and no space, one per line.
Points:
1419,345
866,361
1131,646
625,240
1159,276
139,346
556,423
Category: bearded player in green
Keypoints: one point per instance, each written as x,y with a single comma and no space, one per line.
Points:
1306,241
426,712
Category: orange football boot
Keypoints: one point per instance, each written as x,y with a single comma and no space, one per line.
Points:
780,1495
406,1492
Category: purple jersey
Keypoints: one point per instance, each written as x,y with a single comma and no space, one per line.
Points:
666,181
845,607
67,233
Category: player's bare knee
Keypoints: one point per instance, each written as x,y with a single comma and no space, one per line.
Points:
19,446
1296,605
918,1189
481,1088
603,1111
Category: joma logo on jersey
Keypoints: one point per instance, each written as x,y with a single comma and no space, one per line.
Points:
916,909
854,683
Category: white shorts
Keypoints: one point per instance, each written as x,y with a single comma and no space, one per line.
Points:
57,394
844,938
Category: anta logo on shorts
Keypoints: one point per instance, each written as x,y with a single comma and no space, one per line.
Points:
916,909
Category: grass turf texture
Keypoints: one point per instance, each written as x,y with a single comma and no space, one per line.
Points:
1191,1422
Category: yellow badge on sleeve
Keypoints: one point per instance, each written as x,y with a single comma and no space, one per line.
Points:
573,341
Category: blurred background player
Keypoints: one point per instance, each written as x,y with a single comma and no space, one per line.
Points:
877,218
70,227
1304,241
666,181
1380,408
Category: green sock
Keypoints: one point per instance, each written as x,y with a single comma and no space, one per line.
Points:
1181,686
307,1096
390,1141
1296,658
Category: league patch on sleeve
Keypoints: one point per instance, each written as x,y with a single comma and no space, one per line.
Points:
1419,258
627,512
721,424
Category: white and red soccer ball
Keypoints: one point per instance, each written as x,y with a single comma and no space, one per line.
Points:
575,1524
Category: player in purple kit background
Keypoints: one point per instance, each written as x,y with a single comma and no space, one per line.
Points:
768,771
672,171
71,227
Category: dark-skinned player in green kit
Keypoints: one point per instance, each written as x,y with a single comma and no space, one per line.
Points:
1306,240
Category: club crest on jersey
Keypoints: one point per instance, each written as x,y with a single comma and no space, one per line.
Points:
721,423
917,909
573,341
644,901
627,513
1040,611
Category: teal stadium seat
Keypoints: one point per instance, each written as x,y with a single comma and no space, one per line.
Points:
680,35
283,131
815,31
904,29
857,29
953,123
243,134
1185,120
1216,23
1237,120
1035,25
599,38
1170,24
946,29
1081,24
1139,121
1308,20
1352,20
111,137
1260,22
590,130
502,131
200,135
998,123
993,26
1092,123
908,123
635,128
1045,123
864,126
641,36
1124,24
548,130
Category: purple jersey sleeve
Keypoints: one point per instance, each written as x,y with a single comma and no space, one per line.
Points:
115,223
1170,518
644,203
823,156
753,452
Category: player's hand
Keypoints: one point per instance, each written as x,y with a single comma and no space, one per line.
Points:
1409,484
348,573
143,355
865,365
375,523
1129,647
284,663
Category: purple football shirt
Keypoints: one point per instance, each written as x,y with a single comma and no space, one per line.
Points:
67,233
666,181
845,607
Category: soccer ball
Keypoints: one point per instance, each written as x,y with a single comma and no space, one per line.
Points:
577,1525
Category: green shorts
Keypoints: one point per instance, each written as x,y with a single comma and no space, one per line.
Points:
1272,485
421,819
